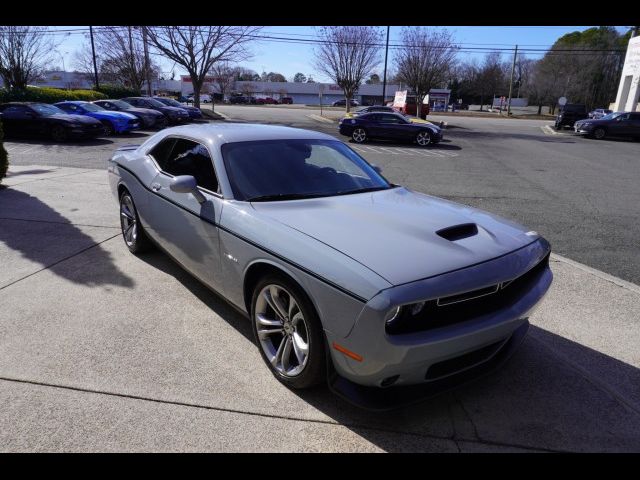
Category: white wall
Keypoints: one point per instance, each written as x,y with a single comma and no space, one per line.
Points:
629,88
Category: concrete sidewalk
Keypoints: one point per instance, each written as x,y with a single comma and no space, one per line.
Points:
105,351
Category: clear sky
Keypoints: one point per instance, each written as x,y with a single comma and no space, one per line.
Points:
289,58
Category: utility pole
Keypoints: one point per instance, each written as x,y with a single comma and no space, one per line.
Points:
384,81
513,68
93,52
147,69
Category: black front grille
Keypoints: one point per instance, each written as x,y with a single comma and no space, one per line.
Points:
436,316
457,364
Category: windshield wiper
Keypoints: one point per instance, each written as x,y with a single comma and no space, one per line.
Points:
362,190
284,196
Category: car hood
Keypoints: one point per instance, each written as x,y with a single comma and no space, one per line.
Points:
73,118
174,109
143,111
110,115
393,232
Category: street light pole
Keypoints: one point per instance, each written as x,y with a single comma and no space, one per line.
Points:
384,81
513,68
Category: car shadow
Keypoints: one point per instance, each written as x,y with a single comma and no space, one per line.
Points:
535,401
443,145
34,171
51,238
90,142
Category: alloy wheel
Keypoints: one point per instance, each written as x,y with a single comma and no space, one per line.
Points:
423,139
128,221
359,135
282,330
599,133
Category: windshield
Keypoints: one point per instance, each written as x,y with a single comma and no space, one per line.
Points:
169,101
291,169
46,110
121,104
154,102
611,116
90,107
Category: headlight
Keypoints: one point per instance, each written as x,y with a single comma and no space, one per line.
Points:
404,311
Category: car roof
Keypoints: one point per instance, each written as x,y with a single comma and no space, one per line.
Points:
221,133
75,102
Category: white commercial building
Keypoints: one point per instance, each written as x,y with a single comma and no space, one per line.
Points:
309,93
629,89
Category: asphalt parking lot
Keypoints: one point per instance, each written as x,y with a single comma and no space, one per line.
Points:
103,350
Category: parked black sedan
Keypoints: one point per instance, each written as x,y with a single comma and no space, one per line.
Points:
389,126
617,124
43,120
194,112
174,114
149,118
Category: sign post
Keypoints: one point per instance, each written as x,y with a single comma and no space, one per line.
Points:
320,92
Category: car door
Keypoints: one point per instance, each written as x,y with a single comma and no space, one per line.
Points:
634,128
15,120
394,127
621,125
185,228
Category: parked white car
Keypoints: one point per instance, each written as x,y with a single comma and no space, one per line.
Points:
204,97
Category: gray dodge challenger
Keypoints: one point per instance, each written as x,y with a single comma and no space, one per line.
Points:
386,294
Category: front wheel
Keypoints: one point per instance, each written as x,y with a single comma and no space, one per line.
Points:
288,332
59,133
423,139
359,135
599,133
108,129
132,232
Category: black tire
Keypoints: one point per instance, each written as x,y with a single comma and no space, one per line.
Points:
599,133
162,123
359,135
108,129
424,138
59,133
138,242
314,372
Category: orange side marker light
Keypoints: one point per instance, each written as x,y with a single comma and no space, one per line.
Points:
348,353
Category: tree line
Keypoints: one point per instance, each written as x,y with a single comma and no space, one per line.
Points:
583,66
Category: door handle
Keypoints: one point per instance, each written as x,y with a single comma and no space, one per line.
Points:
155,187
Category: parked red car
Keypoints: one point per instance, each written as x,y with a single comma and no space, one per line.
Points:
286,100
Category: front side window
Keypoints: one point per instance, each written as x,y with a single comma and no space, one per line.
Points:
179,156
291,169
46,110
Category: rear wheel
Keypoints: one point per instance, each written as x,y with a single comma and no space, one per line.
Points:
132,231
359,135
288,332
59,133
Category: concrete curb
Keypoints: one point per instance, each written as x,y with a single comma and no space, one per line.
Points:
320,119
597,273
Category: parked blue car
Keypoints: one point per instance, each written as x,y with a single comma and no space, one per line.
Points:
194,112
114,122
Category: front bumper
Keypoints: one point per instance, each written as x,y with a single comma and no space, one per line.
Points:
128,127
582,130
382,399
424,356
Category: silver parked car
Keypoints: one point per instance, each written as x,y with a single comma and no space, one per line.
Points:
389,294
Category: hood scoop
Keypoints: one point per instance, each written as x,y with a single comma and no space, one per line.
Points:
458,232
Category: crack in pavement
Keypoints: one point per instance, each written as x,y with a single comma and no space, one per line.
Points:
353,426
47,178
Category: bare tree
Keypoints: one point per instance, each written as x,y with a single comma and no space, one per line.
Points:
198,49
224,77
425,60
24,53
347,55
248,89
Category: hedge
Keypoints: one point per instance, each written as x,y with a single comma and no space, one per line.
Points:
4,157
48,95
117,91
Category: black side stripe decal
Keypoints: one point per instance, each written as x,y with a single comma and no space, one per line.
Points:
250,242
